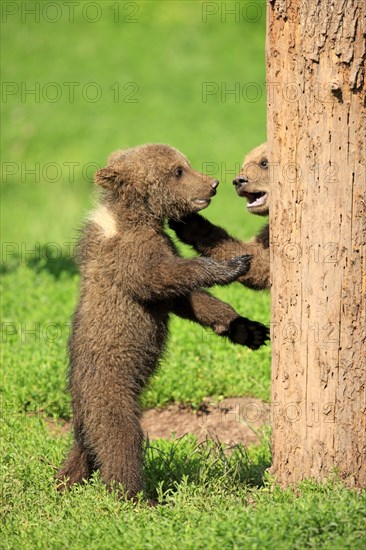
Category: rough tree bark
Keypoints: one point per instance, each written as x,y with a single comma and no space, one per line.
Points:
316,55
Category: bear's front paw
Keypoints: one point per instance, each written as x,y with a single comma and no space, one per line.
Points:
239,265
177,225
248,333
187,228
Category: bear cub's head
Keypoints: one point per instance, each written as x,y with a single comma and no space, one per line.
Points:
157,179
253,181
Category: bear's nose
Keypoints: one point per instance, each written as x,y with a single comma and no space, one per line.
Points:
239,181
214,184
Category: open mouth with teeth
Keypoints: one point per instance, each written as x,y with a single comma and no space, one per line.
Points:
255,199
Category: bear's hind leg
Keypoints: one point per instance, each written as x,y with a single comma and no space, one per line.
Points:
77,467
118,448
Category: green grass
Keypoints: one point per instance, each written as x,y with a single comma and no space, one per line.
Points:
209,499
205,500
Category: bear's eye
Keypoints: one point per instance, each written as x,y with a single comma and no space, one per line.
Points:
264,163
179,172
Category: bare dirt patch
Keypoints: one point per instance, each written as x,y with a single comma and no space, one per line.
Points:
233,420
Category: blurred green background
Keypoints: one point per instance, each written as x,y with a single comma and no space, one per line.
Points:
79,81
187,73
142,72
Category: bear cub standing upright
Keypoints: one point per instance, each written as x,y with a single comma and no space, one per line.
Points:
132,278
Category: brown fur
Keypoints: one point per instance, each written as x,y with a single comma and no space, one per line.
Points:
131,280
214,242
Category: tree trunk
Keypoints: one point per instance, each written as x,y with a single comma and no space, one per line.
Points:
316,138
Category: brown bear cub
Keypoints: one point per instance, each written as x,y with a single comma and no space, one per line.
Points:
214,242
132,278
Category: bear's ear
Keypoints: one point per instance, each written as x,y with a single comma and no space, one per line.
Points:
108,178
116,156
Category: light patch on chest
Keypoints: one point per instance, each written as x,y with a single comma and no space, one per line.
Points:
103,217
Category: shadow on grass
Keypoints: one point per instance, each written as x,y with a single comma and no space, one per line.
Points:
208,464
44,258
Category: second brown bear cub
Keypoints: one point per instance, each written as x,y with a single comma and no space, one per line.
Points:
214,242
132,278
